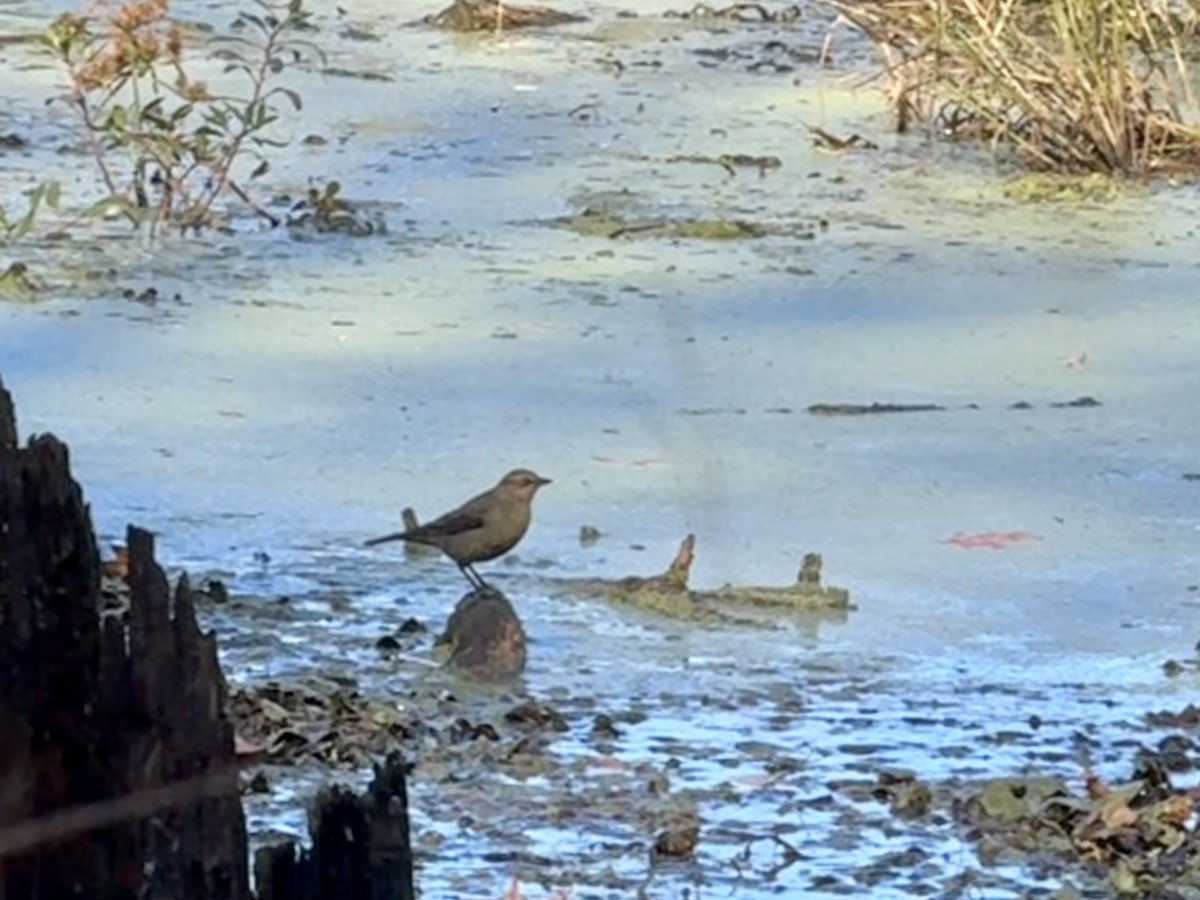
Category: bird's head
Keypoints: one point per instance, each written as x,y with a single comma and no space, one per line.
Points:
521,484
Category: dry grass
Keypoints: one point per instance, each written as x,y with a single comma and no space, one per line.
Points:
1072,85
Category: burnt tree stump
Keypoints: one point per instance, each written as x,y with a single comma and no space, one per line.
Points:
361,846
116,751
118,777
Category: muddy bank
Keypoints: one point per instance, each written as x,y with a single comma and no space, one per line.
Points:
566,781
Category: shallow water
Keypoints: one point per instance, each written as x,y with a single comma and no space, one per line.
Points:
298,393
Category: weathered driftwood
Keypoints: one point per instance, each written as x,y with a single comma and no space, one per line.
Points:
496,15
669,594
807,594
484,638
361,847
116,751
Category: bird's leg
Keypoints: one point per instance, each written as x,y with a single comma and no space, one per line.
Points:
471,575
483,585
467,575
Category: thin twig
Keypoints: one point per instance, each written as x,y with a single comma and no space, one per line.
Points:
68,823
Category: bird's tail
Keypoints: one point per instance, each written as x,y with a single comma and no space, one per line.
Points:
398,536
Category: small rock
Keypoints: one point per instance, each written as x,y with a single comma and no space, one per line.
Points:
533,713
658,784
1175,752
412,626
1077,403
603,728
678,840
463,731
588,535
339,603
216,591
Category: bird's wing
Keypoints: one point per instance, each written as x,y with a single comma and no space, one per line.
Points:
467,517
457,522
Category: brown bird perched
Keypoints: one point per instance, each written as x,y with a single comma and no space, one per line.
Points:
483,528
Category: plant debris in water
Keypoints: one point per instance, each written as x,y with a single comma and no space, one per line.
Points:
497,15
324,211
16,283
877,408
731,162
668,594
738,12
1137,837
831,143
594,223
1053,187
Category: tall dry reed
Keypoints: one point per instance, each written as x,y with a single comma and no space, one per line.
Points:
1071,85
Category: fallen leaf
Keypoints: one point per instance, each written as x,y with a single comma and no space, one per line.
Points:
244,747
1123,880
1118,815
1175,810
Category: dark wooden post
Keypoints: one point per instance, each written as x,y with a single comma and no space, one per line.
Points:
118,778
117,769
361,846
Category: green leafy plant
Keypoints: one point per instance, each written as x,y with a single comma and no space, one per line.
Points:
144,115
13,228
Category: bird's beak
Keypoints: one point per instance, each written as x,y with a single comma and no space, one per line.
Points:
542,481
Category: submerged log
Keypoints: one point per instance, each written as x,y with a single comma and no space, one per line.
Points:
484,638
496,15
115,747
668,593
806,595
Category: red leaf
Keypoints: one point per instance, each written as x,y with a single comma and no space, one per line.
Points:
991,540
